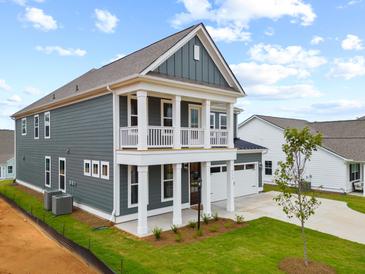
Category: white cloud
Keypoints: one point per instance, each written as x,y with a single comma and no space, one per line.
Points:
14,99
283,91
241,12
349,4
352,42
32,90
39,19
294,56
24,2
348,69
270,31
4,85
105,21
116,57
61,51
317,40
228,34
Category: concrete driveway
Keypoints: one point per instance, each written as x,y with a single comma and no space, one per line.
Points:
332,217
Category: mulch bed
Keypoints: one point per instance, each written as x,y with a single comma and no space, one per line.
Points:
189,235
296,266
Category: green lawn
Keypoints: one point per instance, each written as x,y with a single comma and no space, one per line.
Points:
257,248
354,202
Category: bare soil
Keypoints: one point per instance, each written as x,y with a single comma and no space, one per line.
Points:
297,266
24,248
189,235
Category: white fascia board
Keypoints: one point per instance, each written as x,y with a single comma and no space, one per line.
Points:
250,151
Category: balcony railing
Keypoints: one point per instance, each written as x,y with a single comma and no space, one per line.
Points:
163,137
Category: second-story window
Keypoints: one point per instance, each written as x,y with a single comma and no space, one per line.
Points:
47,125
24,126
212,121
222,121
133,112
36,126
166,114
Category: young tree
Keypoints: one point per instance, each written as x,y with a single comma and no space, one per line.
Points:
295,197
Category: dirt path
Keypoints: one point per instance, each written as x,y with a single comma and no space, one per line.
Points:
24,248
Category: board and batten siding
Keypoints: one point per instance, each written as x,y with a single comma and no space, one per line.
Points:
183,65
82,131
326,169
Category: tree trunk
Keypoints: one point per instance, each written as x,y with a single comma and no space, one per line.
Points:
304,245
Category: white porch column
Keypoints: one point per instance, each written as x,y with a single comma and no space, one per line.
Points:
230,186
206,123
142,119
177,217
176,121
206,188
116,166
230,122
142,227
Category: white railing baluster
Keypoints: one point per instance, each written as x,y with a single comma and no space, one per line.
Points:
218,137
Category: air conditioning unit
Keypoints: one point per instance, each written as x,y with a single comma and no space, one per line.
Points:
62,204
47,198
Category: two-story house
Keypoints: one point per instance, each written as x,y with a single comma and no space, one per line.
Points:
130,139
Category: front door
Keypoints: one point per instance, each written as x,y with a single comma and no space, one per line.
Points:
194,175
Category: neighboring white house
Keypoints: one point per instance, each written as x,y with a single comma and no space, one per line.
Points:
337,165
7,160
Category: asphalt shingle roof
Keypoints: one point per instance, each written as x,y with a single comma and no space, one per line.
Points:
242,144
6,145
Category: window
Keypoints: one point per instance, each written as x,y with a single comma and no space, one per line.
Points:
47,125
24,126
196,53
62,174
268,167
10,169
36,126
47,171
215,169
132,186
166,112
222,121
194,116
250,166
87,167
239,167
133,112
104,170
212,121
95,169
354,172
167,182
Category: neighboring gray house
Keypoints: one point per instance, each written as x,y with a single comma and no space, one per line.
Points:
7,161
129,140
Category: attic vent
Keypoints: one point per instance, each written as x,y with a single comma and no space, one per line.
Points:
53,96
77,88
196,52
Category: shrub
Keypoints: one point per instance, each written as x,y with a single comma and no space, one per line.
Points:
213,228
227,225
192,224
174,228
206,218
199,232
157,233
178,237
215,216
239,219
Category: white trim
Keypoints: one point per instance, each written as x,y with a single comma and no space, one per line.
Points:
45,171
250,151
29,185
45,125
34,127
104,163
96,175
196,52
130,205
59,175
199,108
210,116
116,145
163,102
25,126
153,212
93,211
163,199
220,121
129,113
87,173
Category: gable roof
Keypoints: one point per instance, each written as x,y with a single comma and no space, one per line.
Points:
244,145
130,66
6,145
345,138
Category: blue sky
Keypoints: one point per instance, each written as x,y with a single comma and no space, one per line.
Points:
294,58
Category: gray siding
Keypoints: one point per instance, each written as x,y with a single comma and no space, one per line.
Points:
86,130
183,65
154,188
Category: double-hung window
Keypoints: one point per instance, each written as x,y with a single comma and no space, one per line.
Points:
167,182
62,174
268,167
36,126
87,167
104,170
132,186
166,113
133,112
47,125
10,169
212,121
222,121
24,126
95,169
354,172
47,171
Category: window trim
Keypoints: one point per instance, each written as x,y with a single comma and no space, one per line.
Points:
199,108
163,199
163,102
87,173
45,125
106,177
25,126
210,116
12,169
196,52
45,171
268,161
130,205
34,126
95,175
59,174
220,121
351,172
129,110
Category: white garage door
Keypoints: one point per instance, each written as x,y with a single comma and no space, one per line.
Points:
245,180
